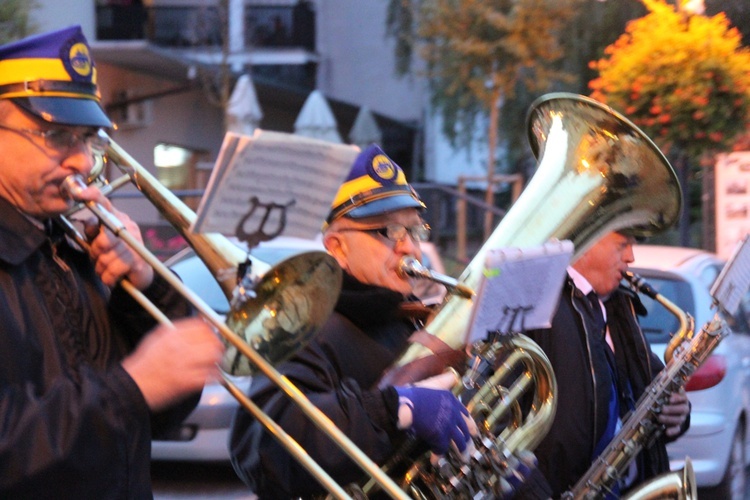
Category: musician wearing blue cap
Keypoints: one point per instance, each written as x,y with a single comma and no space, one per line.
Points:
374,222
85,376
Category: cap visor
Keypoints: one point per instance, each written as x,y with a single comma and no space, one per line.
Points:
385,205
66,111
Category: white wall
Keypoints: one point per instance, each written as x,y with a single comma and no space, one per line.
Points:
58,14
357,61
358,66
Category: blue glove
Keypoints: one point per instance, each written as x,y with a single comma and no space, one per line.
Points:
437,417
518,469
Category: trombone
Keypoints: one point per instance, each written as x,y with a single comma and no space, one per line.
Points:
319,262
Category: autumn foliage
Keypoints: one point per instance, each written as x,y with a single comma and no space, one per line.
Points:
683,79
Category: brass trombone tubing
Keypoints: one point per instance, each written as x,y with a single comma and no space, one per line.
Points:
318,417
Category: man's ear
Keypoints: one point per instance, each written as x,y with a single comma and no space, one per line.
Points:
336,246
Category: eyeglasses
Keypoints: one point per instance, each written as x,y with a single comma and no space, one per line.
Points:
396,232
64,140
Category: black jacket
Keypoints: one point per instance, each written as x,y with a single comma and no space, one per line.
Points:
584,383
73,424
338,372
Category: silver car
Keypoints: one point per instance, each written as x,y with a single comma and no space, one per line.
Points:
719,391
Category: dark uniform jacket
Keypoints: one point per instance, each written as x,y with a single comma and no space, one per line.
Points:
584,383
73,424
338,372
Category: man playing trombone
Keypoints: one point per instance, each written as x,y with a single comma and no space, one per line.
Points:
374,223
84,380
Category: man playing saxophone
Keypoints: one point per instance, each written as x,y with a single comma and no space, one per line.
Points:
603,363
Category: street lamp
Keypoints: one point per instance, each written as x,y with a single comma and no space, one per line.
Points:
691,7
688,9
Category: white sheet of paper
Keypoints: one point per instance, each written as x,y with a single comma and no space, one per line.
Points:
273,182
519,288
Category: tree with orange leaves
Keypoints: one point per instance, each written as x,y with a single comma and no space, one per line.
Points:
685,80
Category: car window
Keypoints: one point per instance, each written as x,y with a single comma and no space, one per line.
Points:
196,276
659,324
274,255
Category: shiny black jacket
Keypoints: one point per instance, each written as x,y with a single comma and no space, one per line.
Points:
338,372
73,424
584,383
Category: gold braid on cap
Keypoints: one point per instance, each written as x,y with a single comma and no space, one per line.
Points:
366,197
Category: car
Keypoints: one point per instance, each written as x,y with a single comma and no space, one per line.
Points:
719,390
203,436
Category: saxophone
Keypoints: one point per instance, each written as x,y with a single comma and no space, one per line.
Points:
684,354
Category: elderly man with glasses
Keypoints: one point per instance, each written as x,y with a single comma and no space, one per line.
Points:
85,377
375,221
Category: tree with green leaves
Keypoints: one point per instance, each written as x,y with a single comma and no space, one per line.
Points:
476,53
683,79
15,20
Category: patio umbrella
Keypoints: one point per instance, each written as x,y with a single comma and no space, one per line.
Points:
316,119
365,130
243,110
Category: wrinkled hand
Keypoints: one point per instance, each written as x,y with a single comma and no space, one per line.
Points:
113,258
674,413
436,417
173,362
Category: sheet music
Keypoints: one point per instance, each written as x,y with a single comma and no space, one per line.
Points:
520,288
272,183
734,280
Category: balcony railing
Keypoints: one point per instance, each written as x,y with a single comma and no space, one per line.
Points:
174,26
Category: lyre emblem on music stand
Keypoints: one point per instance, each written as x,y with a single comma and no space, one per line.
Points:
253,238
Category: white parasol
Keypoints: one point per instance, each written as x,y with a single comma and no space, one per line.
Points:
365,130
243,110
316,120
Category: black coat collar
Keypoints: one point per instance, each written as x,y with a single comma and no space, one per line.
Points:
368,305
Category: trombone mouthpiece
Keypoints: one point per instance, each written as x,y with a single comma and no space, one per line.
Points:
72,186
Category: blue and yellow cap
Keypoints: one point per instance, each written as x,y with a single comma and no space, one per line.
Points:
375,186
52,76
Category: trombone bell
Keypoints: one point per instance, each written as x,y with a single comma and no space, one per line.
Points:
292,301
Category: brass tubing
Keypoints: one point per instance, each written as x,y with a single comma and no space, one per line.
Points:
411,267
687,324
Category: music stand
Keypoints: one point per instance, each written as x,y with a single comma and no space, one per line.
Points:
519,289
271,184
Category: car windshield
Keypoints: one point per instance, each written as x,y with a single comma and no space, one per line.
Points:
274,255
196,275
659,324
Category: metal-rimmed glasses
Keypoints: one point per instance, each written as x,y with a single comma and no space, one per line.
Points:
396,232
62,139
